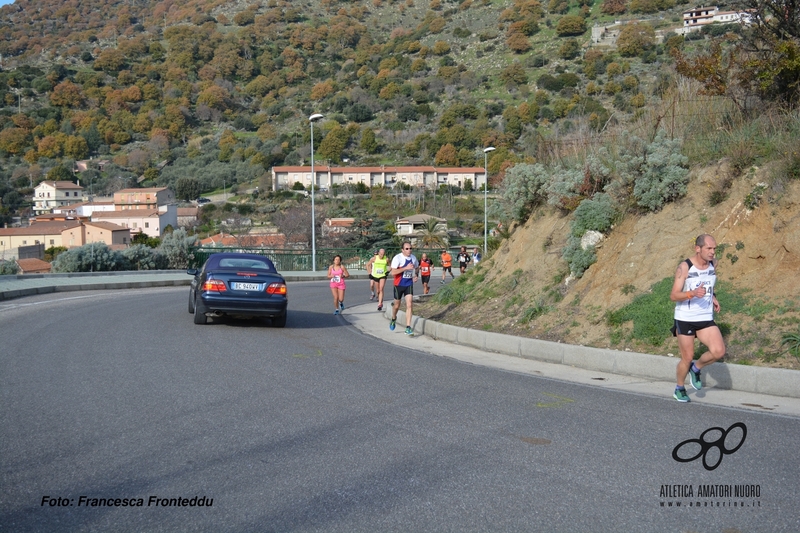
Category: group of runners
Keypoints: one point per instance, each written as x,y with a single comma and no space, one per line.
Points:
406,269
692,292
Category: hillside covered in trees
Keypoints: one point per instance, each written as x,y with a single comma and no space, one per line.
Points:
219,92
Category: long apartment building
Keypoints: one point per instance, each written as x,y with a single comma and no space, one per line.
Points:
386,176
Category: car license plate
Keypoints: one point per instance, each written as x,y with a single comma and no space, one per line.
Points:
246,286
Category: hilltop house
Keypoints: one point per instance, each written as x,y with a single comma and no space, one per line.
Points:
697,17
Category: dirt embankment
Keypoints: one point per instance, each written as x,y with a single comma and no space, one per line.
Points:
761,261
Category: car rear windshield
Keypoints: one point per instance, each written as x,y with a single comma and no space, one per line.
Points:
235,262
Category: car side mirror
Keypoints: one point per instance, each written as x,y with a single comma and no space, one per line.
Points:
192,271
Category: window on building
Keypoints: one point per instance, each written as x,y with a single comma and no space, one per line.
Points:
134,225
52,242
146,224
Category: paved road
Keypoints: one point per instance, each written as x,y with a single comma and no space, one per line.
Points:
318,427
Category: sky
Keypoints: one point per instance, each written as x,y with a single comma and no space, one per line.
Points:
6,2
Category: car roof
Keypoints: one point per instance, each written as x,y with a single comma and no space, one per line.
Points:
239,261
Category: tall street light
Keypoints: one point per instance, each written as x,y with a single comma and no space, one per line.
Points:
313,118
485,200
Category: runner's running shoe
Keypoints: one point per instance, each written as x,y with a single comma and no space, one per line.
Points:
409,331
372,296
392,324
380,308
341,306
681,396
335,311
694,377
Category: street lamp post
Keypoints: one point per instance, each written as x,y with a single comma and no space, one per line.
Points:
485,198
313,118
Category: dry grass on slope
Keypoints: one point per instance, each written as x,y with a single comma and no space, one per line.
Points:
524,288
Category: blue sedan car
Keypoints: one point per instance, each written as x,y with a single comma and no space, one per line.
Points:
240,285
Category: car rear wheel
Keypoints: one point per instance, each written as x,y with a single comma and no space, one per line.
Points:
199,316
191,304
280,321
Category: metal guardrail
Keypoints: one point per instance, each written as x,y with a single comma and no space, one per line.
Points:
291,260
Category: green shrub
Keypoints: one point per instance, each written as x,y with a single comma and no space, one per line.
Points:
8,267
792,343
596,213
455,293
531,313
570,25
94,257
579,260
523,189
650,312
657,170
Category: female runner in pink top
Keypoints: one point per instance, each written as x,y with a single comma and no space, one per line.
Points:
337,272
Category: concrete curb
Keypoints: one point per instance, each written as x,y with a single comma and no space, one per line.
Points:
759,380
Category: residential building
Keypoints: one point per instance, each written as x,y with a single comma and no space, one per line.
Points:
148,199
89,232
337,225
84,209
46,233
187,217
152,222
700,16
412,228
86,164
284,177
33,266
49,195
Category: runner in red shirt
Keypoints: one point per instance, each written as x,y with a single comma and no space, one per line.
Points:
425,270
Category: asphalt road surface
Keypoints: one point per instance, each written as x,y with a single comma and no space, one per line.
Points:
120,414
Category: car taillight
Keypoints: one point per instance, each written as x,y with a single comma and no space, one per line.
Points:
214,285
277,288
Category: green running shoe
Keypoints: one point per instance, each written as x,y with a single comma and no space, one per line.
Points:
391,324
681,396
694,377
409,331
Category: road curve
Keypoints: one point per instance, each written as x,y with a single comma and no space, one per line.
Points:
115,398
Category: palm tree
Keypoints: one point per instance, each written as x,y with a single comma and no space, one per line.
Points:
434,233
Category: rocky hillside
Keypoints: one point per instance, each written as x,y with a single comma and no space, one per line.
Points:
524,289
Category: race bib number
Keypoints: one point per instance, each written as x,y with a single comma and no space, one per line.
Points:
379,271
337,279
408,274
